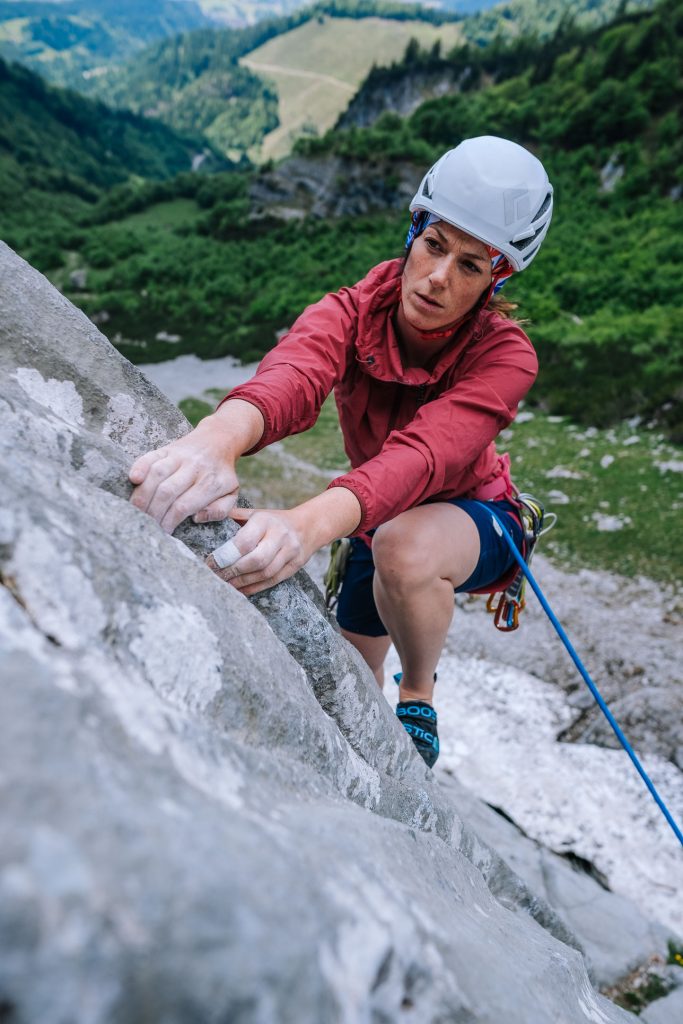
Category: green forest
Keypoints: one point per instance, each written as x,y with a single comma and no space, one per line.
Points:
181,253
63,40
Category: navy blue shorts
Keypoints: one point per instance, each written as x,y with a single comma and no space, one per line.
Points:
356,610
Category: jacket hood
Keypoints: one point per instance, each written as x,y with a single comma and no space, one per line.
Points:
377,345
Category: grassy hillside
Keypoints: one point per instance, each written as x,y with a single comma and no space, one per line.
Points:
59,152
65,41
317,68
195,80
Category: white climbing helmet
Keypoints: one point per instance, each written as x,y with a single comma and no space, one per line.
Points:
494,190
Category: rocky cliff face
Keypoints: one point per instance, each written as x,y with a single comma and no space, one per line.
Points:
209,811
401,92
331,186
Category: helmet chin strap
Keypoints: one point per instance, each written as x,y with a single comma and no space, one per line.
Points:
443,332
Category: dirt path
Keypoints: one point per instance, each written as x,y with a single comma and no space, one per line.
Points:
295,73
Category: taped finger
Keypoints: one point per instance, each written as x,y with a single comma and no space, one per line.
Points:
227,554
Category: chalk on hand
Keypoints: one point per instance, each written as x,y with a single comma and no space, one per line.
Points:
227,554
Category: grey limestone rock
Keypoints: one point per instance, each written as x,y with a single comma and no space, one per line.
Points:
209,811
615,936
667,1010
402,95
331,186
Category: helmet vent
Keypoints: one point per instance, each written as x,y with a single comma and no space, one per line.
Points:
526,242
543,207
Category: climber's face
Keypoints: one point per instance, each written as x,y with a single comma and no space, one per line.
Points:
444,276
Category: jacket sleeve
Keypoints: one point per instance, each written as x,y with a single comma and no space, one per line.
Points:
294,378
437,450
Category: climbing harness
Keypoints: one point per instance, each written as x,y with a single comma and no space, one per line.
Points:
506,606
339,555
500,529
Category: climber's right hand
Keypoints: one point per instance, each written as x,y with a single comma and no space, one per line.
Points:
195,475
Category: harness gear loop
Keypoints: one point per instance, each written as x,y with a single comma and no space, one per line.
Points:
509,604
339,555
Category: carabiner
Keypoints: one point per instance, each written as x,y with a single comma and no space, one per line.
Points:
505,614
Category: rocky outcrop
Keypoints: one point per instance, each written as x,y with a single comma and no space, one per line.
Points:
209,811
401,92
331,186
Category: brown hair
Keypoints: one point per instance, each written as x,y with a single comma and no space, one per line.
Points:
505,308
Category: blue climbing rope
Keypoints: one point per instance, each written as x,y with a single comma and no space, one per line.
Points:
500,529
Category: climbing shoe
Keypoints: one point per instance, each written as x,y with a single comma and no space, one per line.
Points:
419,721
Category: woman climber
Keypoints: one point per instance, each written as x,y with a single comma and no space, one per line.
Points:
426,373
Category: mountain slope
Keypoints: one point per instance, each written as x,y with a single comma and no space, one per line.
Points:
195,81
603,111
65,41
422,74
225,262
59,151
317,68
518,18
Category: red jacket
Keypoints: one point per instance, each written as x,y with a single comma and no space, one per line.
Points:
411,435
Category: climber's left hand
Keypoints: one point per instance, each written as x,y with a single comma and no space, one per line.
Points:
272,545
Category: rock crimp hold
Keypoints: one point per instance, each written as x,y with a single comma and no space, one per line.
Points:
209,811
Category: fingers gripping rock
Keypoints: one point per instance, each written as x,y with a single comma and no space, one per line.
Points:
227,554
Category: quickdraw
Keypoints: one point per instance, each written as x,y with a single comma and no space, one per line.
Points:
334,577
506,606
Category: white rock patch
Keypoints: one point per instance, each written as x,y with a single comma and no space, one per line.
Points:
189,375
672,466
180,654
562,473
60,396
558,498
59,597
610,524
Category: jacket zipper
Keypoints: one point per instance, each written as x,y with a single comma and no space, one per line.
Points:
398,398
395,406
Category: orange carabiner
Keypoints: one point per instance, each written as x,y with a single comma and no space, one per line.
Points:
505,614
